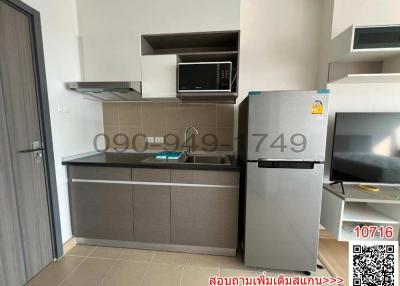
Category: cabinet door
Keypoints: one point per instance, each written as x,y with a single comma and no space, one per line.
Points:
110,57
151,206
203,216
102,211
159,76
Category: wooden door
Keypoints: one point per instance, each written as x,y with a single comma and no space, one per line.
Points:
12,270
22,121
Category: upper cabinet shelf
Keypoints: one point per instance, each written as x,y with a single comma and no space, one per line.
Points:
366,43
369,78
189,43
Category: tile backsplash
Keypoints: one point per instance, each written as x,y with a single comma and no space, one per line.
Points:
127,125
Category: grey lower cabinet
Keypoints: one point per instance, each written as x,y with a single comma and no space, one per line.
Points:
159,206
151,206
205,216
101,211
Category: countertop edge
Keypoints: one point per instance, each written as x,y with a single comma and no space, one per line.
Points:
139,164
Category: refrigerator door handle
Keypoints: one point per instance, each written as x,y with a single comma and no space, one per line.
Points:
286,164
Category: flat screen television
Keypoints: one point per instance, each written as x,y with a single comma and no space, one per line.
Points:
366,148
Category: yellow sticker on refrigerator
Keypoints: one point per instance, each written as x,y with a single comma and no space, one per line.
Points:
317,107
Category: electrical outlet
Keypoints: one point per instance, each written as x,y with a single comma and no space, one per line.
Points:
63,109
158,139
150,139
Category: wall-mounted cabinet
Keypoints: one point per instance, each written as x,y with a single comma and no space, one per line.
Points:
159,76
365,54
111,30
158,50
366,43
110,57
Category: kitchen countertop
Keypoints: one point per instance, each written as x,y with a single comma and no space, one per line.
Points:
134,160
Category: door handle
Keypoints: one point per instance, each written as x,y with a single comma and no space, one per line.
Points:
31,150
36,151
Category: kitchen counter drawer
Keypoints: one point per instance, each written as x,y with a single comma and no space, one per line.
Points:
151,175
205,177
99,173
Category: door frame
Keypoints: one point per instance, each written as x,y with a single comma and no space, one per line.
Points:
45,124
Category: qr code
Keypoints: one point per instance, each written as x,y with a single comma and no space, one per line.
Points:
373,263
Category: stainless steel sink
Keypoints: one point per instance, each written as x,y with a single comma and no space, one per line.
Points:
207,159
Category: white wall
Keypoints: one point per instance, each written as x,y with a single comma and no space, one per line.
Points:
392,64
364,12
327,9
110,30
279,45
73,132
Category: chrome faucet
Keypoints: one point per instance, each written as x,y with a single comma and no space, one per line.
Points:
188,149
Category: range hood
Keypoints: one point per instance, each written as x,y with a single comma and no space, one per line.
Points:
109,90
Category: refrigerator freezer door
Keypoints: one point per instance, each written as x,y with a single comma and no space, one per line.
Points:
287,125
282,217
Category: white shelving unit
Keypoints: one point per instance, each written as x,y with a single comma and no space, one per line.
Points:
375,78
341,213
362,212
359,65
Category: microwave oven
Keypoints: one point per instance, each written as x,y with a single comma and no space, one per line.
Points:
204,77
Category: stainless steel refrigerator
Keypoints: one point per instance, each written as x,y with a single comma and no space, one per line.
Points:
282,136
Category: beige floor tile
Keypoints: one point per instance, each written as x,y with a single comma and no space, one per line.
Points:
174,258
321,273
276,273
81,250
163,275
236,263
138,255
125,273
203,260
237,273
107,252
198,276
231,273
56,271
90,272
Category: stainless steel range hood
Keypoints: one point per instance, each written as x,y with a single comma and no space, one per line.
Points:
109,90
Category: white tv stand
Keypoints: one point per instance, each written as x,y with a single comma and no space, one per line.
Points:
340,213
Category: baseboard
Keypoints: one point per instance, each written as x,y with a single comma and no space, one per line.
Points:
324,234
69,244
159,246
